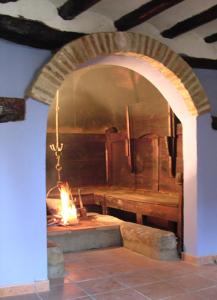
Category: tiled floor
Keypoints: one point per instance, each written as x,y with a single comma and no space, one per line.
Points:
114,274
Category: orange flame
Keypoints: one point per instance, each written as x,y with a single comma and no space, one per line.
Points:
68,209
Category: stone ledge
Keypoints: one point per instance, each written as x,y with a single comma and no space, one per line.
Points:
151,242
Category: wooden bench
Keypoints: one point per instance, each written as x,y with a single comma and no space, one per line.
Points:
167,206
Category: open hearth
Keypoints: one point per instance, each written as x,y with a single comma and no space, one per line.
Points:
96,231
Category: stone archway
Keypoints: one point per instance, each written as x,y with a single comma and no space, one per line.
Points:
168,72
158,55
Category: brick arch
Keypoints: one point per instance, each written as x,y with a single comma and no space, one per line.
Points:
89,47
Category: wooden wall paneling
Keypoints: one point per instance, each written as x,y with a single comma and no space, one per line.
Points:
83,159
150,118
147,156
121,172
166,181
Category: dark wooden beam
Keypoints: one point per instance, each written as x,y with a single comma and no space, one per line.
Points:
201,63
6,1
211,38
34,33
72,8
214,122
191,23
143,13
11,109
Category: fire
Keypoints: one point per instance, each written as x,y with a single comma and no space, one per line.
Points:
68,210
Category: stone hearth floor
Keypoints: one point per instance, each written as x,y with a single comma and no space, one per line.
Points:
117,273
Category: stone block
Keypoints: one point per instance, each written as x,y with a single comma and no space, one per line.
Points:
151,242
55,260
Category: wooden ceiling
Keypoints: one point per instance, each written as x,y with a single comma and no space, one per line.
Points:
189,27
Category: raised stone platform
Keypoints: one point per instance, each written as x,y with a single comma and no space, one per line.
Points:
103,231
97,231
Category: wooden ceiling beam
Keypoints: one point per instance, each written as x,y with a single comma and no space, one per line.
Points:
200,63
143,13
191,23
34,33
211,38
71,8
6,1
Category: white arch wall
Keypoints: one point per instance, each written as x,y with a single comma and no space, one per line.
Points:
198,189
189,122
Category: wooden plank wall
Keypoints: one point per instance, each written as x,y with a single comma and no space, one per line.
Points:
83,159
152,161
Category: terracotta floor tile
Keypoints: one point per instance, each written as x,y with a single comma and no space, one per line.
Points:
101,261
169,274
65,292
192,282
76,265
100,285
210,293
69,257
188,296
115,269
59,281
159,290
84,298
136,278
117,273
210,274
23,297
127,294
83,274
207,267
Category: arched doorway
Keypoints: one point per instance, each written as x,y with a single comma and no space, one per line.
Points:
162,67
119,133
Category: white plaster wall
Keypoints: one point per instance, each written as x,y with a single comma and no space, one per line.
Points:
190,185
23,249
